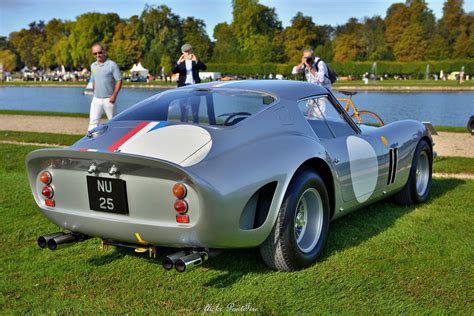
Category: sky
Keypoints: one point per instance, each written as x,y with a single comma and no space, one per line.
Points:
17,14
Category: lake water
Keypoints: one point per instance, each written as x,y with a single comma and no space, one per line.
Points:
440,108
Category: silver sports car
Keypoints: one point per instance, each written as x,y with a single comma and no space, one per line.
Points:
265,164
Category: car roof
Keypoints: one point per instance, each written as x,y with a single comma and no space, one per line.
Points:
282,89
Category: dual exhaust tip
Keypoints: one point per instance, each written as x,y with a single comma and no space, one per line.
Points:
182,261
60,240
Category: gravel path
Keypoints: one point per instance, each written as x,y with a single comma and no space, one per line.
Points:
446,144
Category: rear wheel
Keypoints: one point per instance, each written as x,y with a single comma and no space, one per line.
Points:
418,185
368,118
302,225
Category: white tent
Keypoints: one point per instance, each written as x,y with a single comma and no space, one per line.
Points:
139,70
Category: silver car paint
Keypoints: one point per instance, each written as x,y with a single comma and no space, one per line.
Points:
266,147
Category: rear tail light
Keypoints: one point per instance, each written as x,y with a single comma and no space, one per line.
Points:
50,202
45,177
47,192
181,206
184,219
179,190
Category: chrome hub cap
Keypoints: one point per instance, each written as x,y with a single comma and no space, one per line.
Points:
308,221
422,173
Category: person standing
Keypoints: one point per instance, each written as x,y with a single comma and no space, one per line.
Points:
107,82
188,67
315,69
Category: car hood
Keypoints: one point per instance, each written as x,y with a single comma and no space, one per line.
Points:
182,144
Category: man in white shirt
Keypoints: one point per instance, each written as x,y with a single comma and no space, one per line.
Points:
315,69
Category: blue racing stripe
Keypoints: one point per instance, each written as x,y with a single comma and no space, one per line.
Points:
158,125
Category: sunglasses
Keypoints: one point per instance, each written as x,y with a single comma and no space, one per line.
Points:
98,53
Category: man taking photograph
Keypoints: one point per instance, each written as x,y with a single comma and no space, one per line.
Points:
315,69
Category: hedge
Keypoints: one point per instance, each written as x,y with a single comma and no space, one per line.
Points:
414,69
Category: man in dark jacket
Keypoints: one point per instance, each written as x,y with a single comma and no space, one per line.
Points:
188,67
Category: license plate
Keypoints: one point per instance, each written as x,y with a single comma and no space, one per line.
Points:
107,195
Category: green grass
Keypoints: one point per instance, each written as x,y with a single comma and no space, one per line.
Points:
382,259
42,138
406,83
43,113
451,129
453,165
83,83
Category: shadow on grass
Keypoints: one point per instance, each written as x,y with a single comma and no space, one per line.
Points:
346,232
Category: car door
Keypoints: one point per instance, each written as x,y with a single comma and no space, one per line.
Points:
353,156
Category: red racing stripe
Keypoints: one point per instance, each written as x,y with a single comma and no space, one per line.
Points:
127,136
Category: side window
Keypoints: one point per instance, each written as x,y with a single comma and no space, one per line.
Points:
324,118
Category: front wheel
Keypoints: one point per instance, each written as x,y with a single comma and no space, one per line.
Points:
418,185
302,225
367,118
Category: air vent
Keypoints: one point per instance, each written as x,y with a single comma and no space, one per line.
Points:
392,167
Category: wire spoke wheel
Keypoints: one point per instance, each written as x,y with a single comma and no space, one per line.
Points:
308,221
422,173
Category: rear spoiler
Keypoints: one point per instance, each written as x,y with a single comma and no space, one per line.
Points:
58,153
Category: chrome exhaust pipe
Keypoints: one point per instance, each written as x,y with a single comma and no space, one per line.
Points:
190,261
65,240
168,262
43,240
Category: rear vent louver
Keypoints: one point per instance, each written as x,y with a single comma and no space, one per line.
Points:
392,166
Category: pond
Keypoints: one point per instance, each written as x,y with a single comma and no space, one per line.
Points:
439,108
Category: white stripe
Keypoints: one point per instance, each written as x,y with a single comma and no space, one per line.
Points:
144,130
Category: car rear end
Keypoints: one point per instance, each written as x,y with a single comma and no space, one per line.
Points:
120,197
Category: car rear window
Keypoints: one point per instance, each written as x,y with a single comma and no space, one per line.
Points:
220,107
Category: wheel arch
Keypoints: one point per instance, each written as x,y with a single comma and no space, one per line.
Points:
322,168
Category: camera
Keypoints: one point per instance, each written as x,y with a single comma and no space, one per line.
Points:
310,60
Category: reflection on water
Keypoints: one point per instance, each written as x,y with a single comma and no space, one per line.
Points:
440,108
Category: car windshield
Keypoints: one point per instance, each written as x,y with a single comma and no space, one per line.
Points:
220,107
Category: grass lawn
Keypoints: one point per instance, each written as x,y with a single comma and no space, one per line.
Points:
406,83
83,83
382,259
454,165
41,138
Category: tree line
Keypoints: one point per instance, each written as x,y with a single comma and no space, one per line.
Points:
409,32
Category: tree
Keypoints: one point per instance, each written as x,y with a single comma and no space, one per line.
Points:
395,23
8,59
194,31
54,31
462,46
226,48
451,20
253,23
29,43
88,29
346,47
301,34
412,45
126,50
162,35
437,48
372,41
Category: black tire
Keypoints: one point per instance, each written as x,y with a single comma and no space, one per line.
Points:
281,250
368,118
411,194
